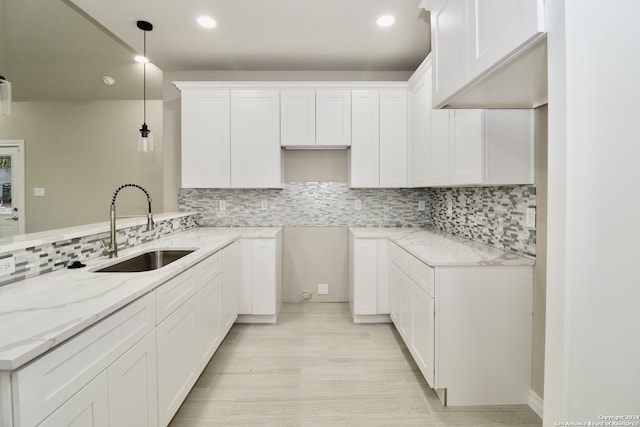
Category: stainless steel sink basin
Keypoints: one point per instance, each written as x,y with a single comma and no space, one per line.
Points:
146,261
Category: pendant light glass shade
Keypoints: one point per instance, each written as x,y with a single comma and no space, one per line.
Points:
5,97
145,137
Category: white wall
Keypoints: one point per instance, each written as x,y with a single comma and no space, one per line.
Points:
592,363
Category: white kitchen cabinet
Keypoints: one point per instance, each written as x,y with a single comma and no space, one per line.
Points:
89,407
298,118
379,147
420,125
333,118
492,43
260,280
368,280
468,328
439,149
208,320
133,398
229,292
176,347
206,139
315,118
364,156
255,139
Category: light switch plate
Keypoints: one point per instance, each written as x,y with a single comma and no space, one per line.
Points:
222,205
358,204
264,205
421,205
38,192
530,218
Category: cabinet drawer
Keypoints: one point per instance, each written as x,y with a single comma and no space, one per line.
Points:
174,293
422,274
43,385
206,270
400,257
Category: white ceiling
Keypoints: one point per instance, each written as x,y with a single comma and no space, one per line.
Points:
60,49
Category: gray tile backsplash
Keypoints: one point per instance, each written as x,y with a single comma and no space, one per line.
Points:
491,215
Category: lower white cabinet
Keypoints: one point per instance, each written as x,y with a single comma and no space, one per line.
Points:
89,407
468,328
260,280
176,359
208,320
133,396
229,288
368,279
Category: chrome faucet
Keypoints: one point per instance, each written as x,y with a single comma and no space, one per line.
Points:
113,247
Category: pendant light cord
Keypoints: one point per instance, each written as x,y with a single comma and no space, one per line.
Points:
144,77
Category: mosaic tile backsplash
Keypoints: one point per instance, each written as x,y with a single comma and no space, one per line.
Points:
300,204
490,215
46,258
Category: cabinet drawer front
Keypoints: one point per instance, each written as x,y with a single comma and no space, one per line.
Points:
45,384
174,293
206,270
422,274
400,257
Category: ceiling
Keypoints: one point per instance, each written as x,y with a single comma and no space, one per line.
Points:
60,49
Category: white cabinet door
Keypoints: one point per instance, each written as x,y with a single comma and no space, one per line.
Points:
365,276
422,331
229,287
421,128
497,28
395,284
383,276
333,117
208,321
449,44
206,143
176,359
467,148
133,398
264,276
87,408
393,138
364,156
298,118
439,153
255,139
245,276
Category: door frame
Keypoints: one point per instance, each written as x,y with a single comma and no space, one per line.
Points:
18,175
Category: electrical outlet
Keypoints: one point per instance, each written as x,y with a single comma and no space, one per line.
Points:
264,205
7,266
175,224
421,205
222,205
358,204
323,288
449,207
530,218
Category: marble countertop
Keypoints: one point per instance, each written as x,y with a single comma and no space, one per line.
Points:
38,313
437,248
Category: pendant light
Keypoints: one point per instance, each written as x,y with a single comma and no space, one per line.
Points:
145,137
5,97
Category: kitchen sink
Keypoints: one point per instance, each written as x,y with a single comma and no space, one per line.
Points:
146,261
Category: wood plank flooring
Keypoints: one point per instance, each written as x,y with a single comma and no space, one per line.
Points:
316,368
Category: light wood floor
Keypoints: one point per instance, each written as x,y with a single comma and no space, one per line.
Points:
316,368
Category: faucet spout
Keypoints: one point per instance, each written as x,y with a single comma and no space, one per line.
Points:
113,247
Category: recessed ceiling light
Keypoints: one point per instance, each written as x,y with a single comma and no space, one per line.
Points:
140,58
108,80
206,22
386,21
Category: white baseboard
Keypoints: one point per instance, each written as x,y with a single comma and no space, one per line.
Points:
536,403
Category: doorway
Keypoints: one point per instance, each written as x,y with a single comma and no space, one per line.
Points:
12,182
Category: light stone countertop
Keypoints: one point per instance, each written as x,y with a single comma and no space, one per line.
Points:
38,313
438,249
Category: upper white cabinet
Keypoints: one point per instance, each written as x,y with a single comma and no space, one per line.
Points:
230,138
315,118
488,53
379,148
206,139
255,139
420,125
333,117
